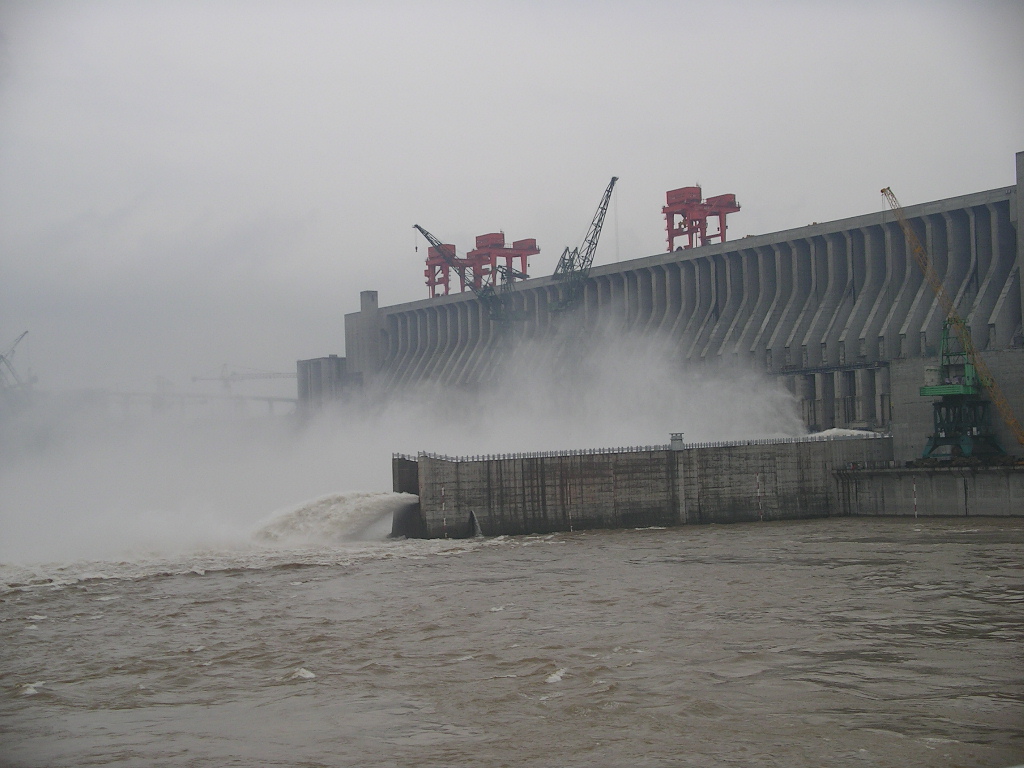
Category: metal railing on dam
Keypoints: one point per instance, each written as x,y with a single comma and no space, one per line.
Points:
637,448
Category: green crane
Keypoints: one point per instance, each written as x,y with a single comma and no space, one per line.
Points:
962,418
574,265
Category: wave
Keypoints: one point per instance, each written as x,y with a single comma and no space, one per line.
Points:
335,519
330,530
255,558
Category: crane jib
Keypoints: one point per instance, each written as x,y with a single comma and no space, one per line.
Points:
576,263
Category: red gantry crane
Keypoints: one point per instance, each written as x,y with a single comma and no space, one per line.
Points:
479,267
687,204
490,282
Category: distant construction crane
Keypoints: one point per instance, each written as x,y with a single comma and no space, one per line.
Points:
574,265
961,419
492,290
228,378
15,390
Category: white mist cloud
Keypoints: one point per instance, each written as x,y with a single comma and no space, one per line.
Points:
78,483
605,388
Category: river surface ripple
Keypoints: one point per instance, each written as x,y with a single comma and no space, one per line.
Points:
830,642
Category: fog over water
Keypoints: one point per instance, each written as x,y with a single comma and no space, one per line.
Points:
80,484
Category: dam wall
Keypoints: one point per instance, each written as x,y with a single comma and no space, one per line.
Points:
830,309
629,487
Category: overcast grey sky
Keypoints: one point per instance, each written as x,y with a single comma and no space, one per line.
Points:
187,184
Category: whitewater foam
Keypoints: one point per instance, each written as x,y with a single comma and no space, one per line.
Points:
556,676
334,519
254,555
309,532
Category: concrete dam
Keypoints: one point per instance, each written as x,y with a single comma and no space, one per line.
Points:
839,311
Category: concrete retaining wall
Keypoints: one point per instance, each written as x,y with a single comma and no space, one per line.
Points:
952,492
628,488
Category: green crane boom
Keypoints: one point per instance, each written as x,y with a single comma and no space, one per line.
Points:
574,265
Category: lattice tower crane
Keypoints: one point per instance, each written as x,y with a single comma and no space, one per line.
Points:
494,298
12,386
955,321
574,265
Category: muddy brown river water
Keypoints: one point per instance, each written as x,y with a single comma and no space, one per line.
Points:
822,643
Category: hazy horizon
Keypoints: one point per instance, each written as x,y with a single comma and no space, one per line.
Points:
188,185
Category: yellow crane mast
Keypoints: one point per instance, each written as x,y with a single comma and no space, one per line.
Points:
954,321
